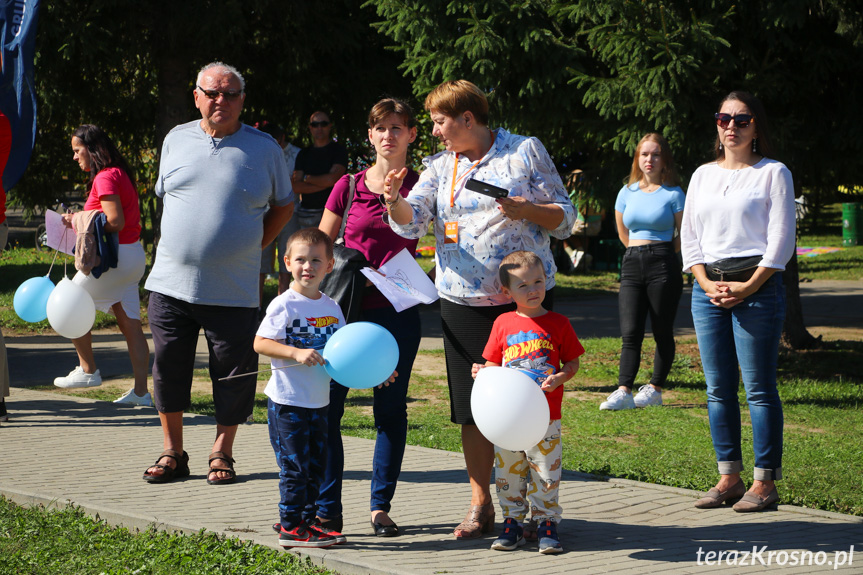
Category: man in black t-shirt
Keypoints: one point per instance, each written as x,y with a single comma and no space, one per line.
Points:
317,169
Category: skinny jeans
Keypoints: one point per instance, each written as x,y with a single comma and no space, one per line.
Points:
746,335
650,283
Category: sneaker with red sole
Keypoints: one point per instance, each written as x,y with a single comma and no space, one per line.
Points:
322,529
303,536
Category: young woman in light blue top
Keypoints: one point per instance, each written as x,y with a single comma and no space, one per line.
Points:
648,211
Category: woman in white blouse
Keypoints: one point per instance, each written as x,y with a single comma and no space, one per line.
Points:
737,235
474,232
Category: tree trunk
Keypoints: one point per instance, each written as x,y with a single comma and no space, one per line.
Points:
175,96
794,333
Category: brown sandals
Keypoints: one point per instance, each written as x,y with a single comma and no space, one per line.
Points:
229,469
478,521
169,473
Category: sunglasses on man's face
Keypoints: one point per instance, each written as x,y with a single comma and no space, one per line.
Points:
321,124
740,120
214,94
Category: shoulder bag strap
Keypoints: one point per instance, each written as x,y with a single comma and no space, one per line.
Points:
351,191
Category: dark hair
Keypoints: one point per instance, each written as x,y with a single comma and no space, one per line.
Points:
389,106
103,152
311,237
763,145
271,128
517,260
457,97
669,169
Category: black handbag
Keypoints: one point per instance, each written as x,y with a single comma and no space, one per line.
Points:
733,269
346,284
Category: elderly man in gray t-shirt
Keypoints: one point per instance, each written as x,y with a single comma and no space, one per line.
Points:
216,176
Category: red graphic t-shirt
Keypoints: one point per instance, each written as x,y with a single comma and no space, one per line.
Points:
536,346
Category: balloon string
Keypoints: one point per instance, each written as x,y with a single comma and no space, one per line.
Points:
65,260
261,371
51,267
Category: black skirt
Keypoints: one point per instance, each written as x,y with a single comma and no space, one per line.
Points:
466,330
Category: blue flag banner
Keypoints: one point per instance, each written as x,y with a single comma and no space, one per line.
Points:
17,90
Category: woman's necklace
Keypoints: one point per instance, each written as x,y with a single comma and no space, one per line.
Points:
649,188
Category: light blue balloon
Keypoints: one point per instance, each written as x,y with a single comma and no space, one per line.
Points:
31,299
361,355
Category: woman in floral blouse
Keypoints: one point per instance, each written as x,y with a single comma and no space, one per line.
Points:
474,232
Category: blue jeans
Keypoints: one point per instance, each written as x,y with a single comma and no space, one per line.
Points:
650,282
746,334
391,419
299,438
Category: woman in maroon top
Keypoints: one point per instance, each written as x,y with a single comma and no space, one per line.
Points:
391,130
112,191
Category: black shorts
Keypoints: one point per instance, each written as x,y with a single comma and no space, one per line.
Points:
466,331
230,333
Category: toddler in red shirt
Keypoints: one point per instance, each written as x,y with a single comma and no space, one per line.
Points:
543,345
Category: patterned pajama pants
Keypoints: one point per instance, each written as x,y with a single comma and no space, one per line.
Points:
530,477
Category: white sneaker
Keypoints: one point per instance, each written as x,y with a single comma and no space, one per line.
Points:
648,395
77,378
576,258
131,398
618,400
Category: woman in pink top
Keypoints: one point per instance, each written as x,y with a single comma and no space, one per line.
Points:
391,130
112,191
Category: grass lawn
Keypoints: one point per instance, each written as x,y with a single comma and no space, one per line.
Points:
846,264
39,542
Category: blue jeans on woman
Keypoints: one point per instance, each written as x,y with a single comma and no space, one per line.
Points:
391,419
650,282
746,334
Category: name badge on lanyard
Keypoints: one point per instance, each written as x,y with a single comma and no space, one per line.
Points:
450,240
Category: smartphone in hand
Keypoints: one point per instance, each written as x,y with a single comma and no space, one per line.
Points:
485,189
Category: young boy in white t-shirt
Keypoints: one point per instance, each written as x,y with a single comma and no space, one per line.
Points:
295,330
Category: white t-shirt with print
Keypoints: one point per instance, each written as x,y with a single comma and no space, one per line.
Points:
295,320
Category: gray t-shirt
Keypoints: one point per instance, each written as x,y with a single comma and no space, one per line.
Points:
216,193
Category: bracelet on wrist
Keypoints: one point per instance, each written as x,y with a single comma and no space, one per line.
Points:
390,204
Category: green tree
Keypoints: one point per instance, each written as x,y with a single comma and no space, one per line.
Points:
590,77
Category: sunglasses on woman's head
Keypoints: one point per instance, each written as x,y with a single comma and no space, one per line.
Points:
740,120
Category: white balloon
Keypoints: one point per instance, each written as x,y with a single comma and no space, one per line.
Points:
509,408
71,311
